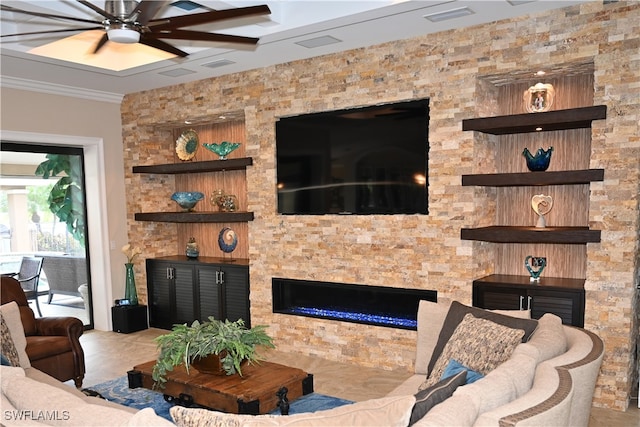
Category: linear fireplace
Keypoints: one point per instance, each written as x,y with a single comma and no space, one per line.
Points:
372,305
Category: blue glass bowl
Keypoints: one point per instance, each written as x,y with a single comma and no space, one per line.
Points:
187,199
223,149
539,162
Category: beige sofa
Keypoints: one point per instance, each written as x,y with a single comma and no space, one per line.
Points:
548,380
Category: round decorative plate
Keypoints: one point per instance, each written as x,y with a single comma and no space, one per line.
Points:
187,145
227,240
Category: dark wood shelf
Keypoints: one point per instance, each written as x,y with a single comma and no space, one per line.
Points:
574,118
196,167
515,234
205,260
508,281
584,176
195,216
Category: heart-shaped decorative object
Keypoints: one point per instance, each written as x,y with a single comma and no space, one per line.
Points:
541,205
534,266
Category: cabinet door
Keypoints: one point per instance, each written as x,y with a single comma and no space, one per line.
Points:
568,305
185,300
209,292
160,289
499,298
236,293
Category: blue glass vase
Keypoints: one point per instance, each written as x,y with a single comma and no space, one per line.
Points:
130,292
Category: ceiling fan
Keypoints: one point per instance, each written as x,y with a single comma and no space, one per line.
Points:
130,21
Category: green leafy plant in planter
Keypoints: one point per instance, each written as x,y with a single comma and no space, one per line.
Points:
233,341
66,199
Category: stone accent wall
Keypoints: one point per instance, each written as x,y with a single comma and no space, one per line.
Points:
415,251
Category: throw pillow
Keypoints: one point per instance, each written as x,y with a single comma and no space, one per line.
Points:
9,353
456,313
479,344
11,314
454,367
386,411
430,397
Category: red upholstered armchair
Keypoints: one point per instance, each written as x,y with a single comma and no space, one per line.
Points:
53,343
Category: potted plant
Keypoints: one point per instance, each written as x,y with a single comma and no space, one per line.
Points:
232,342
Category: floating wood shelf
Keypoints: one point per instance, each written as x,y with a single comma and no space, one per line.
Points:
195,216
514,234
574,118
509,280
196,167
584,176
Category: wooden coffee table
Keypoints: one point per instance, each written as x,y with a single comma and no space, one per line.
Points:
253,393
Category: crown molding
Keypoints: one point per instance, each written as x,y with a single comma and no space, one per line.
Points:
56,89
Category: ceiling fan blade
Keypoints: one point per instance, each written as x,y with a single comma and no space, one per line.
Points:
100,11
207,17
201,36
146,10
47,15
159,44
51,31
103,40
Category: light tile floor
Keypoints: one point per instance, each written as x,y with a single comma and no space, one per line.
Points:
109,355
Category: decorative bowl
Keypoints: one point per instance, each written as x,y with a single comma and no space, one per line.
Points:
223,149
539,162
187,199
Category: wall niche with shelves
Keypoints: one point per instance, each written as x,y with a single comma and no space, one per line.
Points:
204,173
504,186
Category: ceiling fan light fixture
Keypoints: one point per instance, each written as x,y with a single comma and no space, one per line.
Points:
123,35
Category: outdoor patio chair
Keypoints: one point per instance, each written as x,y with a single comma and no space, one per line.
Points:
29,276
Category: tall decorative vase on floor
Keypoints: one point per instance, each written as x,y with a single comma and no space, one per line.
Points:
130,293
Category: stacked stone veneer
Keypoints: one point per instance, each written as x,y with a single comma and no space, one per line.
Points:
415,251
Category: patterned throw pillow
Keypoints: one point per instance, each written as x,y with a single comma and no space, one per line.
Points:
479,344
456,313
9,350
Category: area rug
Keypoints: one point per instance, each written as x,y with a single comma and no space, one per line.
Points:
118,391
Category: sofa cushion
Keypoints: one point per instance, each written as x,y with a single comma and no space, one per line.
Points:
430,397
11,314
456,314
10,355
52,406
549,338
477,343
386,411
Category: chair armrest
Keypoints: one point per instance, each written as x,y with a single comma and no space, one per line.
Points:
28,278
60,326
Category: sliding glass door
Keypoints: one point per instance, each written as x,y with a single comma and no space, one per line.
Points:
43,215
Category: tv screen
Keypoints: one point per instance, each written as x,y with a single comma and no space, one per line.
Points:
370,160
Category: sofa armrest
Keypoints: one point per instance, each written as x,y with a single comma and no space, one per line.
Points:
60,326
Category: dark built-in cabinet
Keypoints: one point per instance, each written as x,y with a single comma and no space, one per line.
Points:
562,297
182,290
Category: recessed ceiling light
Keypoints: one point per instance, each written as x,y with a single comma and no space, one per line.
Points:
449,14
186,5
519,2
219,63
318,41
177,72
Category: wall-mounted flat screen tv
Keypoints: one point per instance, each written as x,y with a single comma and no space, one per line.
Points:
370,160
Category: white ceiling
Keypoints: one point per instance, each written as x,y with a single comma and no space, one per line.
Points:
354,23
